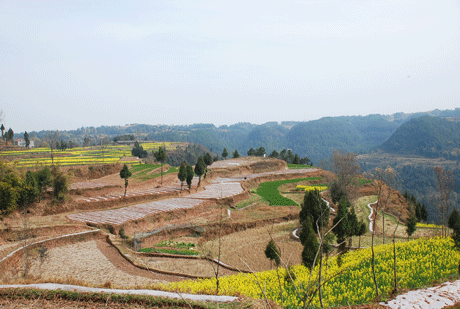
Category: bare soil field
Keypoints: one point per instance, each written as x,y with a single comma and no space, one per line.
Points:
191,267
245,250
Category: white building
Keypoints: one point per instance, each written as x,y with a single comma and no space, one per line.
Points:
21,142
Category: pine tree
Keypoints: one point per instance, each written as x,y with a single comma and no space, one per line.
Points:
260,151
29,191
274,154
182,175
453,219
411,225
309,242
272,253
236,154
160,155
60,185
207,161
26,138
43,181
125,173
251,152
353,226
225,153
312,206
190,175
200,167
10,136
341,227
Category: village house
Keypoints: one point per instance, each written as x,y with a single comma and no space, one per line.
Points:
21,142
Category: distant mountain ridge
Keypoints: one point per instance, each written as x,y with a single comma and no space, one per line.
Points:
316,139
426,136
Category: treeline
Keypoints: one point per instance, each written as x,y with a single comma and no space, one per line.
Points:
24,189
420,210
317,139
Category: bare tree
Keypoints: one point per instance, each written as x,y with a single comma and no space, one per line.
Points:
384,180
215,263
346,168
445,181
52,138
395,284
104,142
374,277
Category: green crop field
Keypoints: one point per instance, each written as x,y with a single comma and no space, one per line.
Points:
269,191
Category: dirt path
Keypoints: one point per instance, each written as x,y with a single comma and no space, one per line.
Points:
67,287
371,221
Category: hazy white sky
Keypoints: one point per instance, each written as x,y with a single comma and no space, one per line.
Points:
67,64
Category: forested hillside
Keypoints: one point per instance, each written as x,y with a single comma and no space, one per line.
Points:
315,139
427,136
414,150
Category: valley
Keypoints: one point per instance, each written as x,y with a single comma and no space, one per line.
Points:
156,238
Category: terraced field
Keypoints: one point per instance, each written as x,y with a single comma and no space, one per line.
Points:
218,189
122,215
136,193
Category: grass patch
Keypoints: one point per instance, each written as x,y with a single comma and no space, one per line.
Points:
143,167
254,198
175,244
269,191
298,166
169,251
363,182
172,169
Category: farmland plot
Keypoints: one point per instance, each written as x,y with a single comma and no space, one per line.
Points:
122,215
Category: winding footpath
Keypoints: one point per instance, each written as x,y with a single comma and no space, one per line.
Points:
371,221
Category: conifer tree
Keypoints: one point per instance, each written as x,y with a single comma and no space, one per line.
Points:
225,153
274,154
26,138
341,227
160,155
182,175
272,253
309,242
125,173
251,152
312,206
200,167
207,161
9,135
411,225
190,175
260,152
43,177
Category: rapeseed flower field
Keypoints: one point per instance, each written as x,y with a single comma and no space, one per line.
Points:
77,156
419,263
311,188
